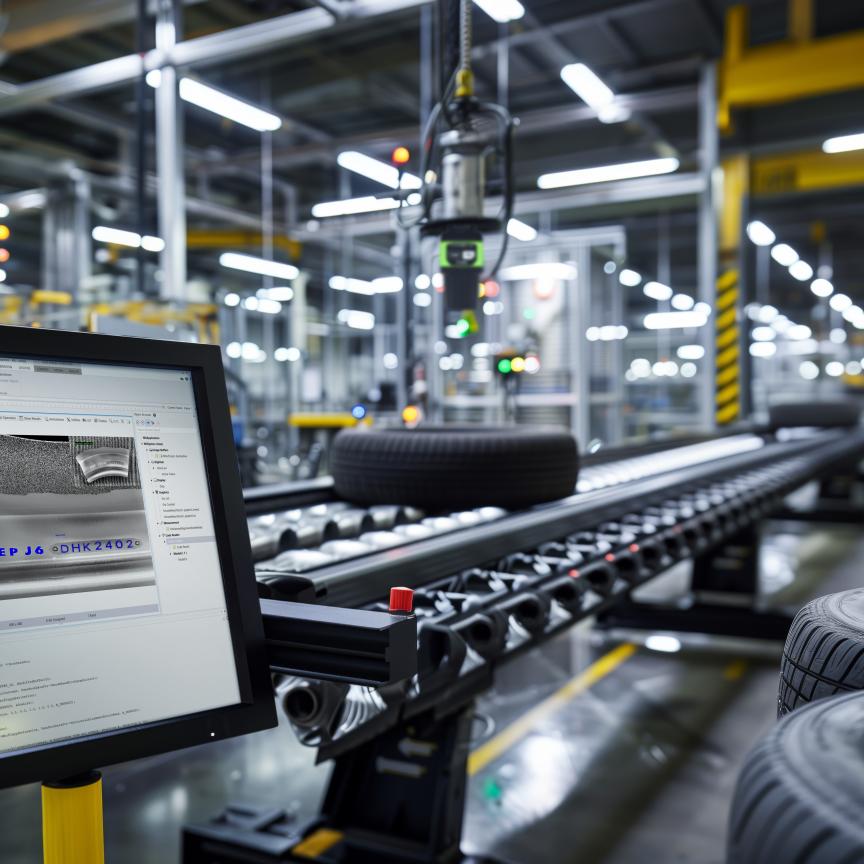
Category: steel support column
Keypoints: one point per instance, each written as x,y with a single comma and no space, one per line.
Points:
171,194
707,252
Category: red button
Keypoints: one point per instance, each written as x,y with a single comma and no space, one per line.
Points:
401,600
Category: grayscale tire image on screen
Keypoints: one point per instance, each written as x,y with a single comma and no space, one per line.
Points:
104,462
72,518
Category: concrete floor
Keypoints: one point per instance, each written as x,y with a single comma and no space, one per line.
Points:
639,767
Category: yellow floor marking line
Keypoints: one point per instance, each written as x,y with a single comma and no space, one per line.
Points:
517,730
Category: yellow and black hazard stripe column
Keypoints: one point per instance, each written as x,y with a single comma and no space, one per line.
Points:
727,402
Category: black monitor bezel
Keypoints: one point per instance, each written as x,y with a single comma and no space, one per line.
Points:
257,710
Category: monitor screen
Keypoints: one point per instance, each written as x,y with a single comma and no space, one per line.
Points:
113,610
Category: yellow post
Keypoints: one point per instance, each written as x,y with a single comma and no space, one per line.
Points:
801,20
72,821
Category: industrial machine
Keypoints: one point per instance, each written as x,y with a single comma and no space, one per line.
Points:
489,585
462,139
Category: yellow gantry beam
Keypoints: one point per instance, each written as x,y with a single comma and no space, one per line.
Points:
241,240
785,71
806,171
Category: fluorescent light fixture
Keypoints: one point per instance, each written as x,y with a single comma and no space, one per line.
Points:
768,313
837,335
520,231
2,275
539,270
154,79
666,644
114,235
630,278
375,169
423,282
29,201
760,234
118,237
261,266
290,355
422,300
691,352
612,332
764,334
211,99
591,90
835,368
844,143
852,313
232,299
587,86
4,211
654,290
665,368
801,271
853,367
356,319
808,370
763,349
784,254
821,287
703,308
351,285
683,302
269,307
352,206
387,285
234,350
605,173
251,303
281,293
673,320
840,302
502,11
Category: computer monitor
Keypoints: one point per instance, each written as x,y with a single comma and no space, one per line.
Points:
129,618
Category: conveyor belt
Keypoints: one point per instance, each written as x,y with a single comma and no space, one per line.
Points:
324,541
487,591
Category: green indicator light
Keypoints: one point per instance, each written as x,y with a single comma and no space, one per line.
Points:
504,366
463,326
528,313
492,790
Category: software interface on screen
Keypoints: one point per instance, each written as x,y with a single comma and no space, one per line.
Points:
112,607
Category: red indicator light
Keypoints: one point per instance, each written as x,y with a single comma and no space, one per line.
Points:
609,557
633,547
574,573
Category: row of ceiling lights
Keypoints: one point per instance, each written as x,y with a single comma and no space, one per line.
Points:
761,235
688,313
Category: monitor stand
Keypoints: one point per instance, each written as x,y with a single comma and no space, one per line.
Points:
72,830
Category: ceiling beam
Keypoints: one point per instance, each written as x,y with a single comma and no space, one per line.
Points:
34,23
218,48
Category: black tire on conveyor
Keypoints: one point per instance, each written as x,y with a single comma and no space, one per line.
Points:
798,797
839,413
824,651
443,467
